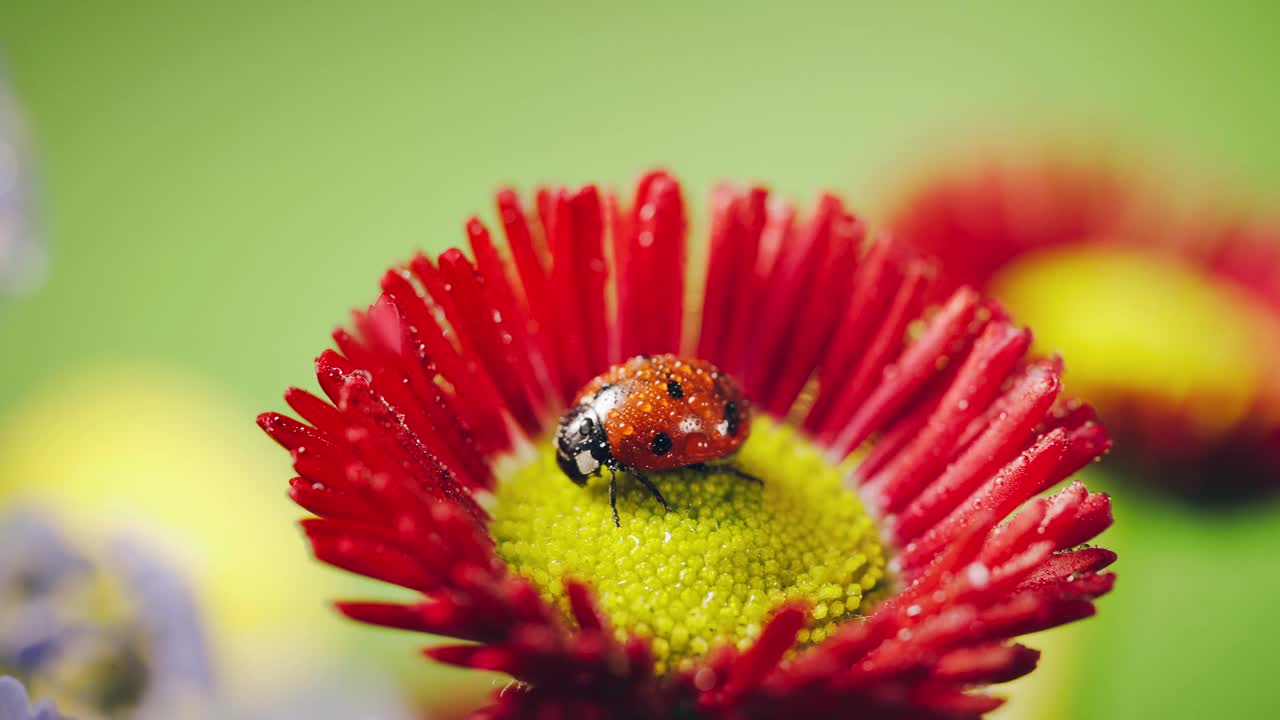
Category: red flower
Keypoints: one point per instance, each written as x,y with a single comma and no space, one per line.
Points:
983,221
463,360
976,219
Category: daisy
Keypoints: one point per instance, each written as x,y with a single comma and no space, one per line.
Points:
1168,315
897,541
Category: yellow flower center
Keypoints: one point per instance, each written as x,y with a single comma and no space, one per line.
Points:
1134,326
711,570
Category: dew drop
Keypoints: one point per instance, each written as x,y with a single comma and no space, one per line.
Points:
978,574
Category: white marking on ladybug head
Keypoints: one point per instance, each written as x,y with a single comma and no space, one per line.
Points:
586,463
606,400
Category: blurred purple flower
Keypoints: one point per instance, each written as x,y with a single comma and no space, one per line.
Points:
14,704
35,565
22,256
145,660
170,628
148,661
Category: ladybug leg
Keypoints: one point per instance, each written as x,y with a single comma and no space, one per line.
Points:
613,495
644,480
743,474
731,469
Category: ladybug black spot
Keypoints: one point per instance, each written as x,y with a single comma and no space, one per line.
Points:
731,418
661,444
674,389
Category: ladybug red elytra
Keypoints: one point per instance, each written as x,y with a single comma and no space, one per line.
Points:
652,413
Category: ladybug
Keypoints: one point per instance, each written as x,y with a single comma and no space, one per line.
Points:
652,413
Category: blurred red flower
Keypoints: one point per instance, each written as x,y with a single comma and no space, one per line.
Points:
1199,413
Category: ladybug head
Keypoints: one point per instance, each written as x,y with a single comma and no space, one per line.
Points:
581,444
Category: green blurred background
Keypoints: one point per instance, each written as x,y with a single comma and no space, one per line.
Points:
220,183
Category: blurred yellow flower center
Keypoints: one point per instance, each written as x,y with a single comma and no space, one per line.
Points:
711,570
1134,327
